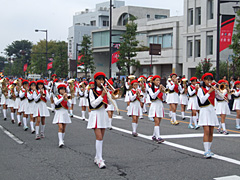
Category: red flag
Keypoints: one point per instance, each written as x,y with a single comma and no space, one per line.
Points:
49,66
226,31
25,67
79,58
115,57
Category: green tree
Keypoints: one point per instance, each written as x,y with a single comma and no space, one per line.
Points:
203,67
20,53
2,60
128,48
87,56
56,50
235,46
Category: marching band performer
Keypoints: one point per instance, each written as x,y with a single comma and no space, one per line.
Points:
167,96
236,104
143,88
222,107
98,119
4,98
183,97
41,96
73,90
207,117
193,102
156,110
136,98
129,79
18,83
149,85
83,100
61,118
52,88
173,98
11,101
32,104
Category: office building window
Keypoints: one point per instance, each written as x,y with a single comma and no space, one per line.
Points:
160,16
190,48
93,23
167,41
190,17
210,9
148,16
105,23
209,45
198,16
198,48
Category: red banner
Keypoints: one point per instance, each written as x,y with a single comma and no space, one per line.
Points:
79,58
226,31
25,67
115,57
49,66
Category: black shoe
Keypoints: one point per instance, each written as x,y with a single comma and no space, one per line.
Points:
13,121
5,119
183,118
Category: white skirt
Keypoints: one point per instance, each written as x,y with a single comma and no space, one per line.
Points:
17,103
167,97
173,98
31,108
23,106
134,109
127,99
236,104
183,99
98,119
111,107
208,116
41,110
61,116
222,108
83,102
11,103
156,109
74,100
193,103
4,100
148,100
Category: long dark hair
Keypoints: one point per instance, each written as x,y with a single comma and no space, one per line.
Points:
42,84
30,89
206,78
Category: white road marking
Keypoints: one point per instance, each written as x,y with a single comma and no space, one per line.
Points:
230,160
11,135
233,177
196,135
118,117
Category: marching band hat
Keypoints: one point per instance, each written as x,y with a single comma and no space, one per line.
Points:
99,74
237,82
25,82
91,83
171,75
32,82
193,78
40,82
62,85
155,77
206,74
143,76
54,75
110,81
222,81
134,81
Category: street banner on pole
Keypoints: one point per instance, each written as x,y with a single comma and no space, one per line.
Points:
49,66
25,67
226,33
115,57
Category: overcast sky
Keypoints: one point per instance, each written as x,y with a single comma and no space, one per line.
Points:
19,18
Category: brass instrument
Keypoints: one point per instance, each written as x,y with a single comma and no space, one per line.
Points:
138,94
165,90
149,79
219,93
11,88
4,88
71,87
116,92
110,98
141,79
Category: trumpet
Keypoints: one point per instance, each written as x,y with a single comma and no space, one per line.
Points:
116,92
110,98
165,90
219,93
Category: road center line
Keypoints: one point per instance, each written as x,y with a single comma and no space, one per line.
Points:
11,135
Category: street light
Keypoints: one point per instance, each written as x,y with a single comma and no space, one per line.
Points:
110,38
236,8
37,30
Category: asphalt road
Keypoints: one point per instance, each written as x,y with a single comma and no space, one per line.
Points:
126,157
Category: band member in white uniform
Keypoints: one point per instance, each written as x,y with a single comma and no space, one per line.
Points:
72,89
183,97
136,98
11,101
98,119
173,98
4,98
61,118
236,103
207,117
32,104
193,102
24,103
52,88
83,99
222,107
41,96
156,110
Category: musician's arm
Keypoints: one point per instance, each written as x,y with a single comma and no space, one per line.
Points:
171,86
203,98
132,97
21,94
190,92
94,102
153,95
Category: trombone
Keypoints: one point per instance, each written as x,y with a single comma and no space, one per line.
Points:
110,98
116,92
219,93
